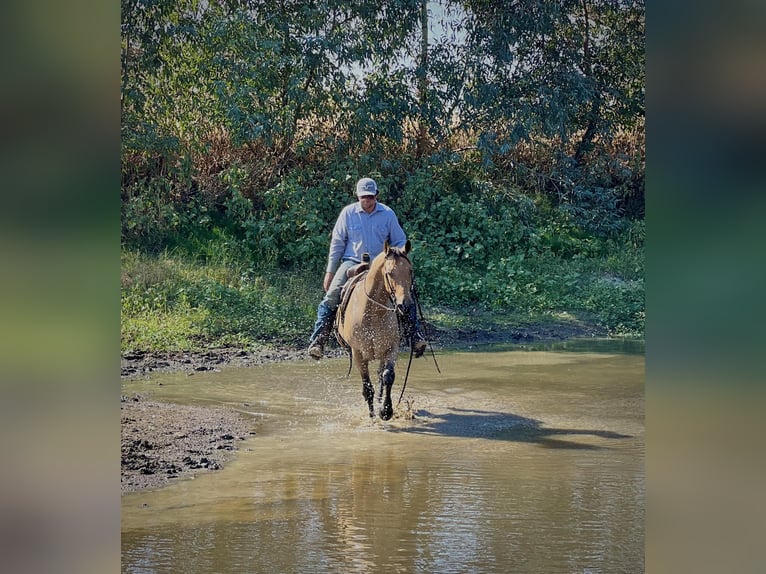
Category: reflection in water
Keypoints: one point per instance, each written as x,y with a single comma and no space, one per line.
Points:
515,462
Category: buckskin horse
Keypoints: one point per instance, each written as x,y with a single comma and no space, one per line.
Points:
368,322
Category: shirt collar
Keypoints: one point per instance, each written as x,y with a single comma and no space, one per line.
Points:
358,208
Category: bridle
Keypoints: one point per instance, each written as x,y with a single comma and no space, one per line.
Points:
389,288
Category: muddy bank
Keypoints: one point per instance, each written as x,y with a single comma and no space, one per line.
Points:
161,442
138,364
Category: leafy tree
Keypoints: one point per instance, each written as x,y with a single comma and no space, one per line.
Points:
223,101
542,68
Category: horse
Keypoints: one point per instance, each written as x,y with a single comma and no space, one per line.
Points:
379,302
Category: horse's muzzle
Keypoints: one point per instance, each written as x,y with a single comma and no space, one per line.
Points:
406,309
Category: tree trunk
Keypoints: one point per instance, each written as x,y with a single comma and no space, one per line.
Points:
586,141
422,147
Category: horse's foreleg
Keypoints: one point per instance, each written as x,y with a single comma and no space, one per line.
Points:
382,378
387,377
368,392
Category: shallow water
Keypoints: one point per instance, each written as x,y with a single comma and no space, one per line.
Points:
517,460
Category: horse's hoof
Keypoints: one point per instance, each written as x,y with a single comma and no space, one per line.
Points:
386,413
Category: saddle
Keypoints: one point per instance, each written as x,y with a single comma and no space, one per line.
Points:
356,274
357,269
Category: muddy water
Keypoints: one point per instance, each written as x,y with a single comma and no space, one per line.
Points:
515,461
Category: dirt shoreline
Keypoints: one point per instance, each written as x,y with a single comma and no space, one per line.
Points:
163,442
140,363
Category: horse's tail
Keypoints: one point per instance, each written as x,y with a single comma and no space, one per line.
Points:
350,361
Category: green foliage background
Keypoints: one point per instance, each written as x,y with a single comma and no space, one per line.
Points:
510,144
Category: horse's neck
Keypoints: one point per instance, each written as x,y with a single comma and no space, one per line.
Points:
374,286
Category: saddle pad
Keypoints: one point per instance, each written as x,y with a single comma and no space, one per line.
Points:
345,294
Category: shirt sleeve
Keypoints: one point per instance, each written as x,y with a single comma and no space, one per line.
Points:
338,242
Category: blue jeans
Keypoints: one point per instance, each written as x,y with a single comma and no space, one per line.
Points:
328,306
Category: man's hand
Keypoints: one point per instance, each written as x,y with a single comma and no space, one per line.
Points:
327,280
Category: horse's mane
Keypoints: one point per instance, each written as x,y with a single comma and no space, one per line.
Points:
376,263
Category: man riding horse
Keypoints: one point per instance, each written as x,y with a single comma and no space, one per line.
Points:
361,227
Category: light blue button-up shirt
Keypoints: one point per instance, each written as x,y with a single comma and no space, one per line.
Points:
357,232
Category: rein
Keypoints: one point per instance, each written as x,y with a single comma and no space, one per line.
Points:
412,351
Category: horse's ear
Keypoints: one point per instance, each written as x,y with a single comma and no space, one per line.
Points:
408,246
386,247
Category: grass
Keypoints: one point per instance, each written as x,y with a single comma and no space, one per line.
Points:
172,303
169,303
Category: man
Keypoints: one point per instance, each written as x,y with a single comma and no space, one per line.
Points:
361,227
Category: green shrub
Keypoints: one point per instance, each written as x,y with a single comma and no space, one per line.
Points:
247,270
171,303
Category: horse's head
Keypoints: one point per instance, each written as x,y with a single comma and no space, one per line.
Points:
397,272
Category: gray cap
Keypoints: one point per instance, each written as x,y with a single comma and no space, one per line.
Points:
366,186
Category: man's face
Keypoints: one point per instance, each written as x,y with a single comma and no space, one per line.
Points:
367,201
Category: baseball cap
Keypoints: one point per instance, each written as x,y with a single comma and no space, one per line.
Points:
366,186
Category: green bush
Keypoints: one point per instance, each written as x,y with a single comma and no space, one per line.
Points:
248,271
171,303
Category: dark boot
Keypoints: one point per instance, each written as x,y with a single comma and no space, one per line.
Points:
316,348
419,343
322,330
417,339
